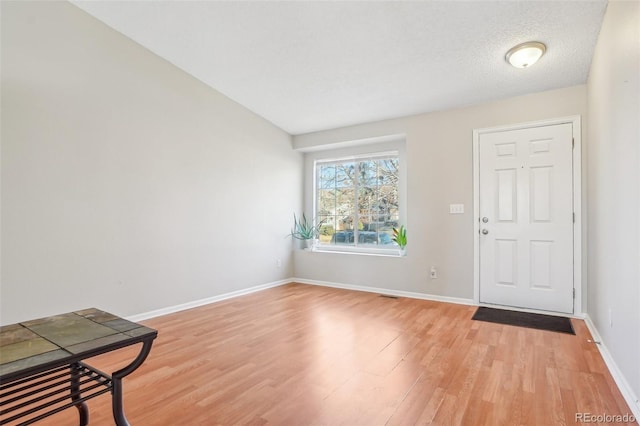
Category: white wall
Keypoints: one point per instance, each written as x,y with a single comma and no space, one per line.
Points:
439,153
127,184
614,188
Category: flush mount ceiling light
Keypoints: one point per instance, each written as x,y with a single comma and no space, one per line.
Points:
525,54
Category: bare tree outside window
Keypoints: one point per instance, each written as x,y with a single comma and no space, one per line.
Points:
357,200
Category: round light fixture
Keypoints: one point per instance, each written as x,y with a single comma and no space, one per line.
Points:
525,54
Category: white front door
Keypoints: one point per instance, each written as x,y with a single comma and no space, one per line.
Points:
526,218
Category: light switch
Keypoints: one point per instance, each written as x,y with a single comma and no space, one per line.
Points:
456,208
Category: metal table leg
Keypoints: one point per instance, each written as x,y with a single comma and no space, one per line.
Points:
75,394
116,381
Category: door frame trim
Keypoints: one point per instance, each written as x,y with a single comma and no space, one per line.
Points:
575,121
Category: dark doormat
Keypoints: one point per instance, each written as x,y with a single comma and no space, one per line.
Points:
524,319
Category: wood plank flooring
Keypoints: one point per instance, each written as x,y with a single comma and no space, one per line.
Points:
306,355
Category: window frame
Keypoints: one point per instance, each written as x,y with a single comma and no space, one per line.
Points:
359,152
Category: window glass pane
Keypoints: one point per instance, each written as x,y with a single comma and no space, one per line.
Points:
345,174
388,205
368,173
374,223
344,233
327,176
327,228
393,222
326,202
365,218
345,202
385,238
368,237
366,199
342,238
388,171
344,223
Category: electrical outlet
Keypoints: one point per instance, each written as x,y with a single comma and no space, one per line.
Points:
456,208
279,263
433,273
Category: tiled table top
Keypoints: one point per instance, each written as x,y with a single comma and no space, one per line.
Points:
29,344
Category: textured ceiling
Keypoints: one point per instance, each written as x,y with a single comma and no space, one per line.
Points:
308,66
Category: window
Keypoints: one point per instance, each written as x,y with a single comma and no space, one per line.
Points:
357,201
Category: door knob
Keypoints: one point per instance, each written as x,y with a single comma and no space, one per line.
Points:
485,231
485,219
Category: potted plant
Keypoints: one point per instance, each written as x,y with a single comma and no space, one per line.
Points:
400,238
305,230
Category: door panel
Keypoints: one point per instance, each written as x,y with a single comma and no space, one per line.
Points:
507,184
540,193
506,262
526,193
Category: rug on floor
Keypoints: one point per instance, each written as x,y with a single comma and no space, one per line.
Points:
524,319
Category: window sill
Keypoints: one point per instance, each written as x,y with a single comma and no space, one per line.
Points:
360,251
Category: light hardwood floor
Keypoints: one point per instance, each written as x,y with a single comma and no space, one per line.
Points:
299,354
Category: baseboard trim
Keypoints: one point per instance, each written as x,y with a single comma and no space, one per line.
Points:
628,394
208,300
399,293
205,301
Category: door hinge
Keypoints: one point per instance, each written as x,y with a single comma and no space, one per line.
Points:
574,218
574,292
573,143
